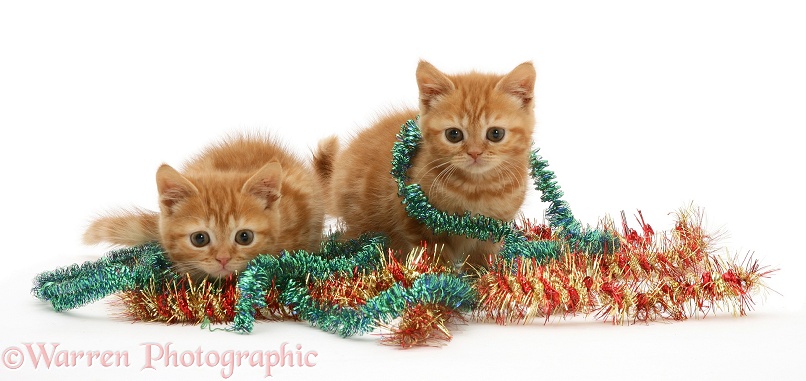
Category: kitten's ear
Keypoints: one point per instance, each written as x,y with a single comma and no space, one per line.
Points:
173,188
266,184
433,84
520,82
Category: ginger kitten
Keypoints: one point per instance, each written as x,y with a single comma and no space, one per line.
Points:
474,156
242,197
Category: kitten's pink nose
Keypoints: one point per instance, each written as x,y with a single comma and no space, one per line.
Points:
223,261
474,154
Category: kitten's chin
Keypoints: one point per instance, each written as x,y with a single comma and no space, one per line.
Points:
199,275
220,273
477,168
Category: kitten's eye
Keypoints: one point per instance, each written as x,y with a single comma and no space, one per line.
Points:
244,237
454,135
199,239
495,134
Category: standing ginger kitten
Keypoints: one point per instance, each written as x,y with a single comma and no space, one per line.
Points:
474,156
240,198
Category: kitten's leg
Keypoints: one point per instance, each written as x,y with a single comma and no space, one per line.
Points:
471,252
479,255
127,228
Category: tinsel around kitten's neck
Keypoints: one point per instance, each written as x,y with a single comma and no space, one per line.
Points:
584,239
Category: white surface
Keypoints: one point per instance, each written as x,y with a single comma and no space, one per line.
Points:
639,107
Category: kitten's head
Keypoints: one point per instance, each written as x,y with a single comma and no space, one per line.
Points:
213,224
476,122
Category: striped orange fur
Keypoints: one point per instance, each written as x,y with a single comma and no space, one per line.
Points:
242,197
478,173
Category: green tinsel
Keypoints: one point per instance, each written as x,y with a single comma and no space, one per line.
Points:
485,228
134,268
290,269
123,270
443,289
592,241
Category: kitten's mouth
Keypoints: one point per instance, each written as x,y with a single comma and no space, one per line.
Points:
219,273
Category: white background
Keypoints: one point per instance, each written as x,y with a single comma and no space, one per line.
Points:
639,106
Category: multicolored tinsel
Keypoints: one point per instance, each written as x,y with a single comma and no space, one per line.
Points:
355,287
187,302
651,277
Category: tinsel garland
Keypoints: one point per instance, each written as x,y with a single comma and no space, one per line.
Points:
122,270
296,271
195,302
579,238
354,287
673,276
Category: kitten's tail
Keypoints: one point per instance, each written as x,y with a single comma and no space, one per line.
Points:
127,228
323,164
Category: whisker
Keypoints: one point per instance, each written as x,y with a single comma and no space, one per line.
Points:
510,167
444,181
434,182
430,169
441,178
500,173
513,178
